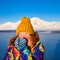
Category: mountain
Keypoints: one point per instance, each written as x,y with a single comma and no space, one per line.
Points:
38,24
9,26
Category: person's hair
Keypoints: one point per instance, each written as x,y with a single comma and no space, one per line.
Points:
12,40
35,38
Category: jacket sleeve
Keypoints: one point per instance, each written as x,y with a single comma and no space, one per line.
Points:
38,52
9,54
12,53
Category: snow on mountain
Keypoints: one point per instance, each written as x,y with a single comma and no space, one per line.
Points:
38,24
9,26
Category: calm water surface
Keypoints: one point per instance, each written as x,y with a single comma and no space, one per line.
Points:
50,41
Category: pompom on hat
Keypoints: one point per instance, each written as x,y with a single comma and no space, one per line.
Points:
25,26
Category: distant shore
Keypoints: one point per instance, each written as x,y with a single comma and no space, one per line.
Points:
7,30
42,31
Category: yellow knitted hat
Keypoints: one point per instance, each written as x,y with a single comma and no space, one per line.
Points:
25,26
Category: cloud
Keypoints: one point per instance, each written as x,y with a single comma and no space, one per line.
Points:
38,24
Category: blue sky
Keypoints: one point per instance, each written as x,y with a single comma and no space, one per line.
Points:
13,10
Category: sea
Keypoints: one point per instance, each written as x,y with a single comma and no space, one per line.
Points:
51,42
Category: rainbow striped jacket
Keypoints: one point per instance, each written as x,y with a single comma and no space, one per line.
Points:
14,54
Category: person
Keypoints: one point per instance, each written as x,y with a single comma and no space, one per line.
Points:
26,44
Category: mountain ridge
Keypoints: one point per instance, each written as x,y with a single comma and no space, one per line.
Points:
38,24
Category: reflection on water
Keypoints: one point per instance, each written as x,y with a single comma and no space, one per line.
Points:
51,43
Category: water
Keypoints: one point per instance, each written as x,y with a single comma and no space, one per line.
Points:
50,41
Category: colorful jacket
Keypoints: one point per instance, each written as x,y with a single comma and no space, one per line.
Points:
14,54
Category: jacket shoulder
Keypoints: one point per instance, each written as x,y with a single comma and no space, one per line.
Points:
40,46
